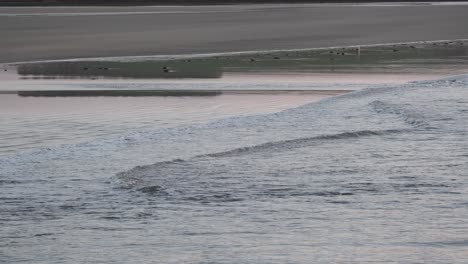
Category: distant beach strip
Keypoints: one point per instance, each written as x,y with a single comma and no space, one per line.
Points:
179,2
66,32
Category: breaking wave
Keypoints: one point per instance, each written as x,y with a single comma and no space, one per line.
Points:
134,177
372,126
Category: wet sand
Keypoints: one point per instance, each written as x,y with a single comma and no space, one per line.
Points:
311,69
61,33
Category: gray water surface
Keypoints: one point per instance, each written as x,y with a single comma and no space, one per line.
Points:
378,175
28,123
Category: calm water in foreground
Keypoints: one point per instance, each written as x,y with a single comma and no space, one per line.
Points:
378,175
28,123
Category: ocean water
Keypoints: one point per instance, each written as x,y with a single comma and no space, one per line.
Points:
28,123
378,175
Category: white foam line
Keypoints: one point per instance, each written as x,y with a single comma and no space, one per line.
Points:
449,3
390,4
234,53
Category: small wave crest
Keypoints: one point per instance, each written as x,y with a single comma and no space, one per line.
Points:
135,178
297,143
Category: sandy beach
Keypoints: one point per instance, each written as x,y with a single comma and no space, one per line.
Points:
44,33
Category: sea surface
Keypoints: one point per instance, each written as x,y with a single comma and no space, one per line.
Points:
28,123
378,175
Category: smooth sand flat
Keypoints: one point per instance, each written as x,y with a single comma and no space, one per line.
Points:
46,33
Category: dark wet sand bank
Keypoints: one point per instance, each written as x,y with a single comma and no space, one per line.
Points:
61,33
416,58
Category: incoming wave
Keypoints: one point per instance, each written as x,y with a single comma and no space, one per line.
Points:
135,177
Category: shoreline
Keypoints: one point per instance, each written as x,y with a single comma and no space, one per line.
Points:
365,64
169,57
